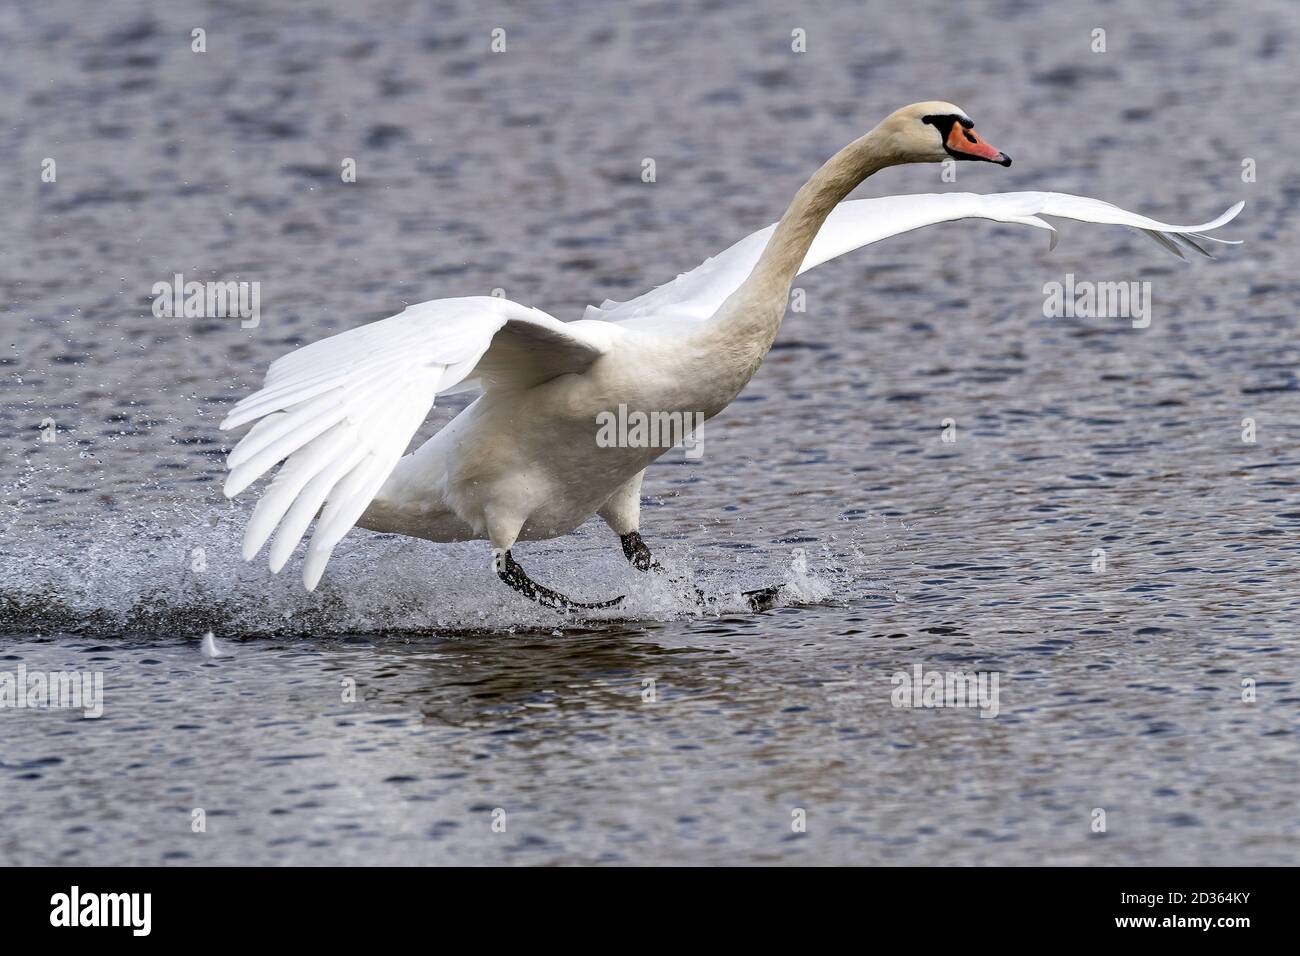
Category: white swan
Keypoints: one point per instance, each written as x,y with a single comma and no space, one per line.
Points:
522,461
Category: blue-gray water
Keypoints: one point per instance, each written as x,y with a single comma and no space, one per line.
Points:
1120,690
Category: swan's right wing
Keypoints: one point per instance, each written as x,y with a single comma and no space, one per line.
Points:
340,412
696,295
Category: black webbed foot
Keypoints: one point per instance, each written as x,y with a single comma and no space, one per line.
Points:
637,553
640,557
764,599
512,573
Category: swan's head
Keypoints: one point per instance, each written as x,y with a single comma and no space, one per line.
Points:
934,131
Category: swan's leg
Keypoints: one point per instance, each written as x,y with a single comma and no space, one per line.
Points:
635,550
640,557
622,512
510,571
503,533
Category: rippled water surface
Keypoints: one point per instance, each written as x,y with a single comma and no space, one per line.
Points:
1120,689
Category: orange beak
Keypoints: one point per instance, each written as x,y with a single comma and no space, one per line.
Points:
965,143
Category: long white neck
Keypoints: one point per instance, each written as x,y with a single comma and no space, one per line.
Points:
741,332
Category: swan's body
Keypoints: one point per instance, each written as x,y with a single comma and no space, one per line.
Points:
522,461
531,446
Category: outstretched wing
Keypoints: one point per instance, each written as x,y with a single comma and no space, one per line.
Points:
698,294
340,412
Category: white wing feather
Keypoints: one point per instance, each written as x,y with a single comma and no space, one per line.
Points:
340,412
696,295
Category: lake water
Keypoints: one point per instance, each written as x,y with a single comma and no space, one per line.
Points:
667,735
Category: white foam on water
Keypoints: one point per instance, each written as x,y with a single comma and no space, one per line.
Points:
179,569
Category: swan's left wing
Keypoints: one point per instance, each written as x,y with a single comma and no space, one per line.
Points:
696,295
340,412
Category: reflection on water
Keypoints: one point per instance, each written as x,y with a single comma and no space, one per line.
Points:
655,744
664,735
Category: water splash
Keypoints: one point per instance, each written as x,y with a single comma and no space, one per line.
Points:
177,570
